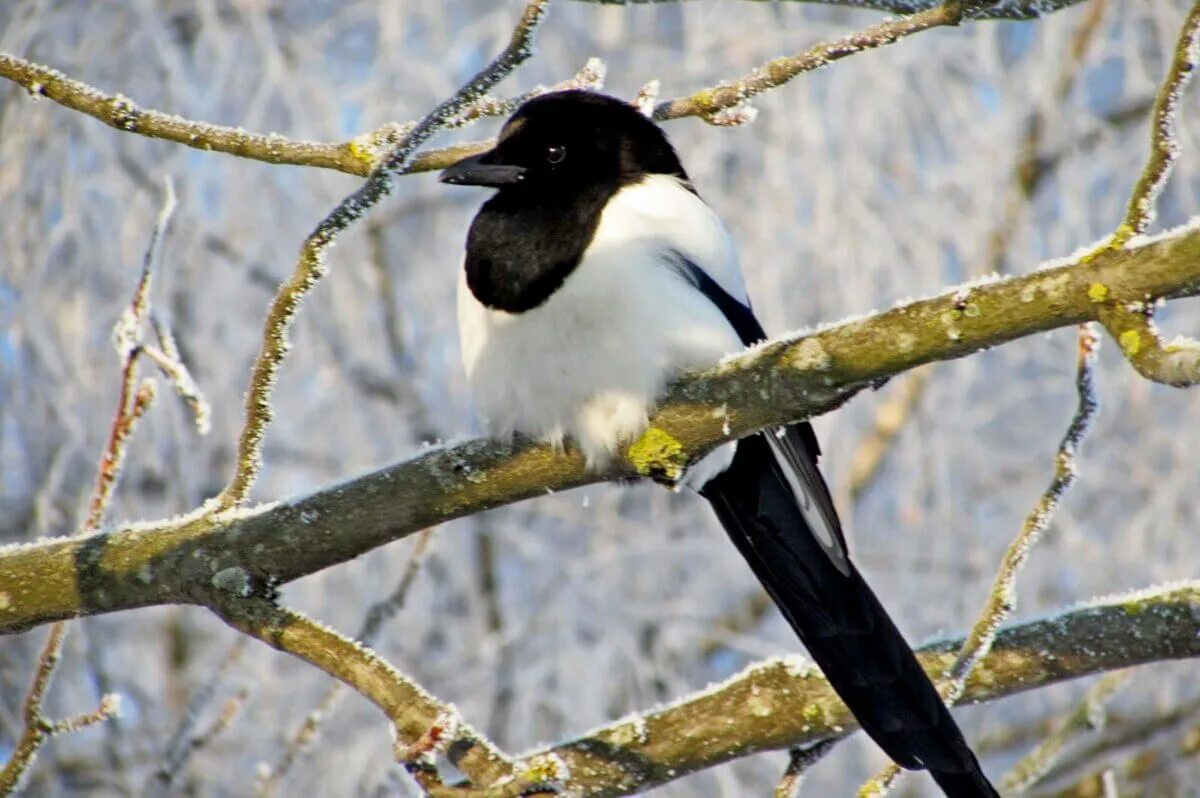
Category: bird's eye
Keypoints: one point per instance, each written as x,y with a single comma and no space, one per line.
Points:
556,153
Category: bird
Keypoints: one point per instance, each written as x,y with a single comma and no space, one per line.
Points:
594,276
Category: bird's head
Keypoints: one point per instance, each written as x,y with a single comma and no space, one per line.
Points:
566,142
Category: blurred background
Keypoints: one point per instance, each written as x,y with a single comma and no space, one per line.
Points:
889,175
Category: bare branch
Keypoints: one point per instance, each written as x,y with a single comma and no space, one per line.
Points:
713,104
132,402
1003,10
1130,318
379,613
187,559
412,711
311,265
785,703
360,155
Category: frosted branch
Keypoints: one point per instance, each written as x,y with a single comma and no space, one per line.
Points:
1002,599
1003,10
361,154
132,402
412,712
1129,318
269,782
716,104
794,377
729,720
311,265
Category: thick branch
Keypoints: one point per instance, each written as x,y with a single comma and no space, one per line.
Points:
782,703
186,560
411,710
1006,9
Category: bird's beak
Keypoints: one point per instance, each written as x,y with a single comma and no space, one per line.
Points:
482,170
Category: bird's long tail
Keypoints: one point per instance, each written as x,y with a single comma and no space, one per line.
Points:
769,501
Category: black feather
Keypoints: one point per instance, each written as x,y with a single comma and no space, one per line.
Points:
821,593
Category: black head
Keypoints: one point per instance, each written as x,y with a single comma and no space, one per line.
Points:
567,142
558,161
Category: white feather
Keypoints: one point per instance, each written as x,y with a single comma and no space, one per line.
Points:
591,360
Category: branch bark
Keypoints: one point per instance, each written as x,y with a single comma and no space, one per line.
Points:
359,155
785,702
200,558
1004,10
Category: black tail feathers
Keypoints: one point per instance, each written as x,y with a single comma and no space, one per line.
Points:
769,515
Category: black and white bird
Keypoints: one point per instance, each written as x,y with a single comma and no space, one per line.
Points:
595,275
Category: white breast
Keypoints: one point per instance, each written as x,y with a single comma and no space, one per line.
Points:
589,362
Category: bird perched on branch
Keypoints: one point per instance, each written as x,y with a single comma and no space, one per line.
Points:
595,275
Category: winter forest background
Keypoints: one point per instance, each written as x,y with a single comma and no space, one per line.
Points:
988,147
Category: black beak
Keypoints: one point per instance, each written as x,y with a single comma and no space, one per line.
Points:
481,170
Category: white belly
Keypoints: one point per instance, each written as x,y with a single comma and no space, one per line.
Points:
591,360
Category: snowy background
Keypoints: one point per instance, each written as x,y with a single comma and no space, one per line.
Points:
884,177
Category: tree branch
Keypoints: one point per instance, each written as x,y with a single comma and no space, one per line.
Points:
361,154
1129,318
412,711
1004,10
198,557
311,265
713,105
785,703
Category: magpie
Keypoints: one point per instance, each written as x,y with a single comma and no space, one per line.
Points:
593,276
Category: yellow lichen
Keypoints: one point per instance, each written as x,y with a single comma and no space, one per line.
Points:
1121,236
808,354
1131,342
361,150
658,454
1133,607
1097,292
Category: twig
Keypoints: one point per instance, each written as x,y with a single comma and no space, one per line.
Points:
132,402
360,155
712,105
1089,716
37,728
311,265
170,363
1002,599
1130,319
1030,170
799,761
